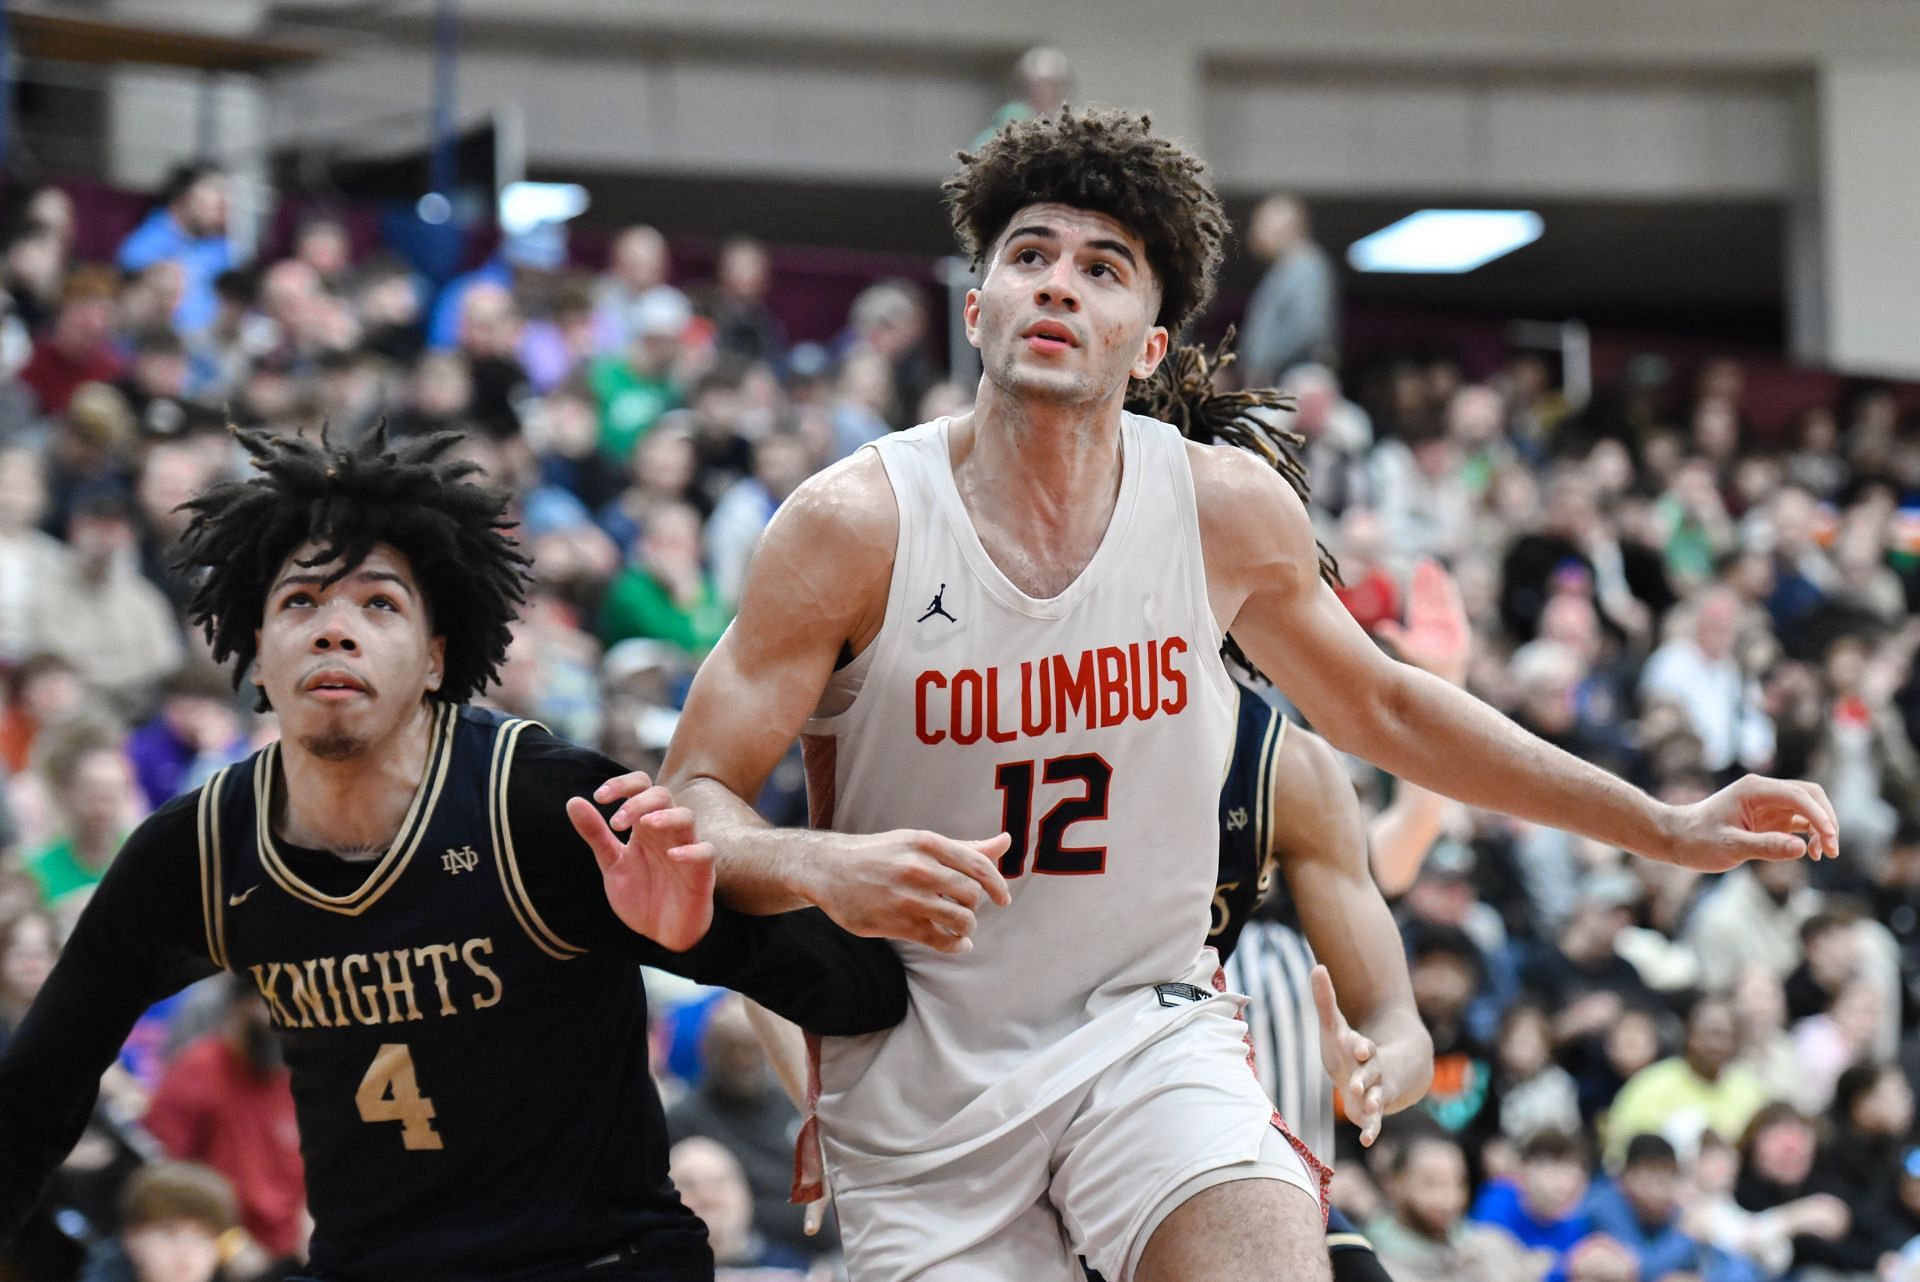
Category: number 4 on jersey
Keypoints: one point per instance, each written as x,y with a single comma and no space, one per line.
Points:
1014,779
390,1093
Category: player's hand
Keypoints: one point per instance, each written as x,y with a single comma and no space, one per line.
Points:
1752,818
1352,1061
659,881
912,885
1436,636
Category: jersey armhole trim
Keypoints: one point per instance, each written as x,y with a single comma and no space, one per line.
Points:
1270,750
212,866
886,640
518,901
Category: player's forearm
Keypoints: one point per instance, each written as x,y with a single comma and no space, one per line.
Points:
1406,1053
1400,836
758,868
49,1079
1442,738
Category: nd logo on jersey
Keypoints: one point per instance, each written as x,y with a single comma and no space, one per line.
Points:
461,860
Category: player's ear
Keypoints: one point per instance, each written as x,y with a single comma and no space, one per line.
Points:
1152,352
436,662
972,314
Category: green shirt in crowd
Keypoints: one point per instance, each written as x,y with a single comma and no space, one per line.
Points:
630,404
59,872
639,605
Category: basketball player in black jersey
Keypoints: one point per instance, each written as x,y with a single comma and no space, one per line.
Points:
409,884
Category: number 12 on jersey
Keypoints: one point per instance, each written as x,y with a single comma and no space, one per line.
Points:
1052,854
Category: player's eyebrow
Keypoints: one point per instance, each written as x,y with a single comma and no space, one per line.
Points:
1117,248
313,578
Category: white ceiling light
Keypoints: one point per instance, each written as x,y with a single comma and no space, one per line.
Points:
1445,240
525,206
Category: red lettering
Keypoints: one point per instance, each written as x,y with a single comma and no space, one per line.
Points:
1030,703
1113,685
966,706
993,710
1173,676
928,680
1073,689
1146,693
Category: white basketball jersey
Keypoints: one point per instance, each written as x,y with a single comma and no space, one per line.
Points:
1095,727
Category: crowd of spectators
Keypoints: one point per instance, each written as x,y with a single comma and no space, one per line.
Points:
1642,1073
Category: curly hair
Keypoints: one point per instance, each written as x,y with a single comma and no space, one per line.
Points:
1182,392
347,499
1108,162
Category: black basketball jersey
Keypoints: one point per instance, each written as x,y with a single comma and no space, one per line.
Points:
421,1009
463,1016
1246,820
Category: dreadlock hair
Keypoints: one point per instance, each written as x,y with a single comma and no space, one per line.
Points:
1108,162
1182,392
347,499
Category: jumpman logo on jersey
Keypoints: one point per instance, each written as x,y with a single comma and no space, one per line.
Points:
937,608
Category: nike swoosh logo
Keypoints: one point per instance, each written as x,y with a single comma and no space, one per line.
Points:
234,901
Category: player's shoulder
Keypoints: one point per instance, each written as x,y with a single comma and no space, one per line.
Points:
1249,514
1310,765
849,503
171,831
541,757
1225,474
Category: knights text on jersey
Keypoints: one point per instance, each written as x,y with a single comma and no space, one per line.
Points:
1094,727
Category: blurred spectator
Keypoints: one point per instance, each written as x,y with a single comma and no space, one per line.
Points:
34,264
1533,1093
322,243
79,347
1338,435
1700,671
1761,1239
1446,968
1545,1206
1641,1210
714,1188
195,732
1864,1158
489,337
173,1216
33,564
1293,316
890,320
1703,1088
1043,75
1428,1238
1418,487
1835,1039
740,1105
780,463
635,384
189,229
1776,1175
97,806
664,592
115,627
1753,916
743,325
225,1101
636,272
28,948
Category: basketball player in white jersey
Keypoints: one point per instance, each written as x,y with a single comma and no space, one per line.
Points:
1020,787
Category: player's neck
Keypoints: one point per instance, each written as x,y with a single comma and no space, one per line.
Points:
354,806
1052,461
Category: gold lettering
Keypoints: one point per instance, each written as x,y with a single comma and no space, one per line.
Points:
333,992
307,998
481,971
367,993
265,982
394,989
435,953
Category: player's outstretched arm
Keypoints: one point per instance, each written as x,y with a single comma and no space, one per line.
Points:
141,937
1372,1042
1262,573
817,591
